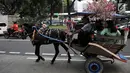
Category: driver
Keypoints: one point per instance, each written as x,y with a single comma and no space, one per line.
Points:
84,33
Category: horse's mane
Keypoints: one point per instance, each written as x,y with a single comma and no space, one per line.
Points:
28,24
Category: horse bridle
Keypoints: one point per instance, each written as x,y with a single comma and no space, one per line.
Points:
28,34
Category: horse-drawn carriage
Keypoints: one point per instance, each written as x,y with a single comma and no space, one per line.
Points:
101,47
92,51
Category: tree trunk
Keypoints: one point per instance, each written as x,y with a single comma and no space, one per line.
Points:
68,9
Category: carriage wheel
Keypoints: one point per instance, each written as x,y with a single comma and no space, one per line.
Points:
93,65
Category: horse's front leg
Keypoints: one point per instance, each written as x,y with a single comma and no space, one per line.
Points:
37,53
56,46
67,50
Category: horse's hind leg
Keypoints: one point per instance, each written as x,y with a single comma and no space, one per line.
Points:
37,53
67,50
56,46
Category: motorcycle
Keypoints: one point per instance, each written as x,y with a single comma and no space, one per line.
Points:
21,34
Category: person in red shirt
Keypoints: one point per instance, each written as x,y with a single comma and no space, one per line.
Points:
15,26
70,25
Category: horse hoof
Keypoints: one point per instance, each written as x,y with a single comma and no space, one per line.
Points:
42,59
52,63
37,60
69,61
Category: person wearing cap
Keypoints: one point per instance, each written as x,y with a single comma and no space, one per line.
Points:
40,30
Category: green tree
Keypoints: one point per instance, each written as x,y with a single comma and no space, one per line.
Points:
10,7
35,10
128,4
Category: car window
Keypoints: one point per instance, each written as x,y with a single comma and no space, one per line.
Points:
2,24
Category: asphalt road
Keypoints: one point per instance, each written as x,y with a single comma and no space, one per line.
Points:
24,64
24,46
17,56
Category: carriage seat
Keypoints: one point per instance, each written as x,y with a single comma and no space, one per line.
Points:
110,39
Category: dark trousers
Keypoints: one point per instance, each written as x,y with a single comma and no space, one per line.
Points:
83,38
10,31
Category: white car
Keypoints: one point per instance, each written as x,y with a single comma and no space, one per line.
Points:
3,27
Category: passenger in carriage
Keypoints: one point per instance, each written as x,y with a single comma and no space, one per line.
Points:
99,26
110,29
40,30
43,28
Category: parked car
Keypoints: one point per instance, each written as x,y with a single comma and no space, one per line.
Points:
3,27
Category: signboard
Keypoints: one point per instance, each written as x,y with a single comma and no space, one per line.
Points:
121,7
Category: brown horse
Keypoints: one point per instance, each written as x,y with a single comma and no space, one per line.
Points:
40,40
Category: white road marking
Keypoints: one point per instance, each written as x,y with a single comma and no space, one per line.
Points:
66,54
63,54
127,56
2,51
81,55
30,53
18,40
51,54
15,40
14,52
60,59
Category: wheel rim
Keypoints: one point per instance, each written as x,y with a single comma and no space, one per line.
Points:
94,67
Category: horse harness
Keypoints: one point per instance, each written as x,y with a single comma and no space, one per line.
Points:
47,32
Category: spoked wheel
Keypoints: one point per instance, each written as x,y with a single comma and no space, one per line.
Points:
6,36
93,65
18,36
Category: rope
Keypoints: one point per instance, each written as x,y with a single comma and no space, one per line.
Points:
50,38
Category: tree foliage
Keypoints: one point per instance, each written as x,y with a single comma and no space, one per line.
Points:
32,10
39,9
102,8
10,7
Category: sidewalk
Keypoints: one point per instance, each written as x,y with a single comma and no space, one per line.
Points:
22,64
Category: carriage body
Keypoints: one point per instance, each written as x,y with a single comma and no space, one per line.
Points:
113,47
95,49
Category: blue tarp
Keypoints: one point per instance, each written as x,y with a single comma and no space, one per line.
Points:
91,13
120,16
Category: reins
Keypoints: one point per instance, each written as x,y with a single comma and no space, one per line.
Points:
50,38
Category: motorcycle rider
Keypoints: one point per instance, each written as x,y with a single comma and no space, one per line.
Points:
13,29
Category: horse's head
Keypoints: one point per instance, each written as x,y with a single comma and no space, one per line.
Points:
28,28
